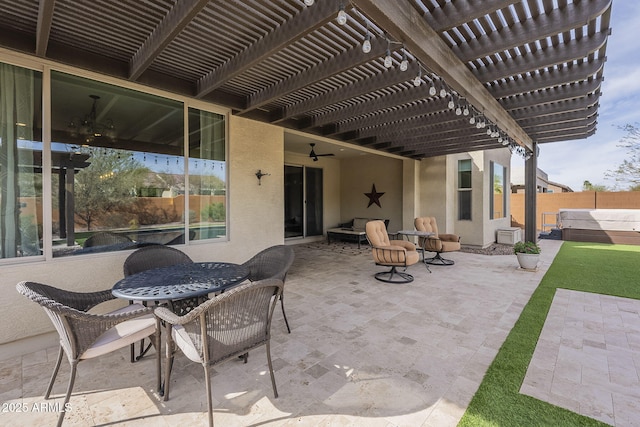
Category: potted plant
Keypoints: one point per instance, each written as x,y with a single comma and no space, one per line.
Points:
528,254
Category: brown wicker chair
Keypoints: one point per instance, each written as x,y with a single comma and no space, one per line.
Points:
84,335
272,263
390,253
146,258
438,243
221,328
153,256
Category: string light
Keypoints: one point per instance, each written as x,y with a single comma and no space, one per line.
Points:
404,65
432,89
388,62
417,81
366,45
342,16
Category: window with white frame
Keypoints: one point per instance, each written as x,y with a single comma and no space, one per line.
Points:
464,189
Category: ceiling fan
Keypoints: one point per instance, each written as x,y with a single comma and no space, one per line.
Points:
315,156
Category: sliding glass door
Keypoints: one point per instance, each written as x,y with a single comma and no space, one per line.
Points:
303,206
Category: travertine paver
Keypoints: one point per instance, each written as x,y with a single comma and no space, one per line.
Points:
588,357
361,352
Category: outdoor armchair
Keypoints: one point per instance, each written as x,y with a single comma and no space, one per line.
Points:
221,328
390,253
272,263
438,242
84,335
153,256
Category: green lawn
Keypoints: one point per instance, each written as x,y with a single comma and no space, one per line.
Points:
588,267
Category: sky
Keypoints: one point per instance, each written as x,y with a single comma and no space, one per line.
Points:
573,162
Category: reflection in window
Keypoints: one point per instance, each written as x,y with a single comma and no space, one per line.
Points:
498,200
464,189
207,175
20,162
118,168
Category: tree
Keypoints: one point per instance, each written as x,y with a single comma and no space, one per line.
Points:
588,186
628,172
107,186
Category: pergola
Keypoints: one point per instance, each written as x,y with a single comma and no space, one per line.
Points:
478,74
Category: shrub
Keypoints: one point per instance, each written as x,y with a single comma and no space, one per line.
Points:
526,248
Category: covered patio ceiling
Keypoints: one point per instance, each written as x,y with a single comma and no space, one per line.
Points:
531,70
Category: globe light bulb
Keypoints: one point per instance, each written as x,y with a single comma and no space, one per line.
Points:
432,91
472,120
388,62
451,104
465,111
342,16
443,93
404,65
309,2
366,44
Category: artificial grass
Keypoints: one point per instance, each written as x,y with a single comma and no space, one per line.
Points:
587,267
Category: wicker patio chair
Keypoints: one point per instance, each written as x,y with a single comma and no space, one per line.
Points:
221,328
272,263
84,335
146,258
154,256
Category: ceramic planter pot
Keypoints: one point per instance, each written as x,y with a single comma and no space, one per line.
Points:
528,261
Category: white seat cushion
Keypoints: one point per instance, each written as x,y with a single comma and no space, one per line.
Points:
185,344
122,334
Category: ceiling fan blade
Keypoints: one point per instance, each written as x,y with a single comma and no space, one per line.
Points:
328,154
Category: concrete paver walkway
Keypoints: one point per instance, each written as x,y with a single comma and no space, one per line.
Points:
587,359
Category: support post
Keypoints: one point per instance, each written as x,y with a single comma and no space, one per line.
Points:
530,194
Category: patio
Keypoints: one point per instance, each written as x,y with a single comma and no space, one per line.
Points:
361,352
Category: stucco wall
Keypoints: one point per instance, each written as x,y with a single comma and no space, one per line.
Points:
255,222
358,175
434,196
438,189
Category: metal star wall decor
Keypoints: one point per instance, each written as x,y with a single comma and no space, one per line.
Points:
374,196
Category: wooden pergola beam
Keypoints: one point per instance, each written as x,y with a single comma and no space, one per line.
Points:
543,58
558,20
546,79
457,12
308,20
45,18
387,117
344,61
396,99
366,86
171,25
580,104
548,96
405,24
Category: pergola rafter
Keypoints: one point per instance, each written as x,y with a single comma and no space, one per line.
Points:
523,65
